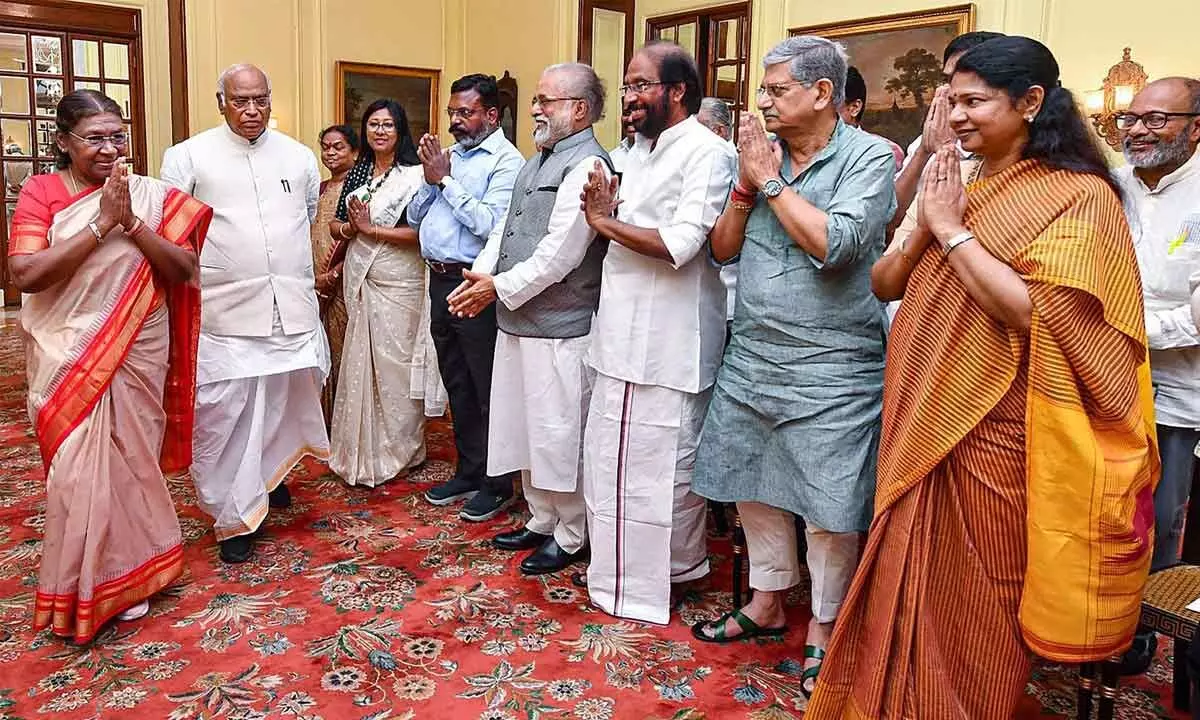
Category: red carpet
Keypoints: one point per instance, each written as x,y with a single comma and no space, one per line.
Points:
373,604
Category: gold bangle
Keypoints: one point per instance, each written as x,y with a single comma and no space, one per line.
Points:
342,231
137,225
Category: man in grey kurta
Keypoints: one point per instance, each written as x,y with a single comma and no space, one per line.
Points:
795,417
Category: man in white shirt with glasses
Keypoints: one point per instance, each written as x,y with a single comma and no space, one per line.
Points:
1161,188
262,355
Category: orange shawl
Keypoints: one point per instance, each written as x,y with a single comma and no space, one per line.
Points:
1092,462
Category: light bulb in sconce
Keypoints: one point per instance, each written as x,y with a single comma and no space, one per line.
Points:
1124,80
1123,96
273,124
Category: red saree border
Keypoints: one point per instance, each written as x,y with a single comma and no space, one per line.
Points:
76,395
185,223
67,616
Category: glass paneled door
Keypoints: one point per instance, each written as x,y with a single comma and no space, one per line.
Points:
719,39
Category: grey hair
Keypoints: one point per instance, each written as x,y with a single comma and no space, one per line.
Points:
717,112
233,70
813,58
582,82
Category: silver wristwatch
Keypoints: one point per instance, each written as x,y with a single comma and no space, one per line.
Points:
773,188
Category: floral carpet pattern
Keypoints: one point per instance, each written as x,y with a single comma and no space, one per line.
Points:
373,605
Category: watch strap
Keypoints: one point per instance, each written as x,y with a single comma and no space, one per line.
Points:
957,240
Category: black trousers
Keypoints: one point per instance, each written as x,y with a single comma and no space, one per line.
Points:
465,349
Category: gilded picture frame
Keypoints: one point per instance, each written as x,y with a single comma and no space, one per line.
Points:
416,89
900,57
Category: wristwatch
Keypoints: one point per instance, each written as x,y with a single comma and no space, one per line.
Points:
773,188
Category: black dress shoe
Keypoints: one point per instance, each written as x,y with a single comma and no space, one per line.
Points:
523,539
1140,655
237,549
550,557
280,497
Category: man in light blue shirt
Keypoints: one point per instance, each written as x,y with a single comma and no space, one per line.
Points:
467,192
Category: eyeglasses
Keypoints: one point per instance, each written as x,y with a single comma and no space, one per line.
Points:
261,102
543,101
1153,120
384,127
778,90
464,113
117,139
640,87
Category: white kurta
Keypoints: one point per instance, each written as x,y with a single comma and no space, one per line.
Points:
262,355
541,386
656,346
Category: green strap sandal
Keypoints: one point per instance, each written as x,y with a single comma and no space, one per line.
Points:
713,631
811,652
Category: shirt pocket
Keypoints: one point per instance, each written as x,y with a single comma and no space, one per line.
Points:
1182,259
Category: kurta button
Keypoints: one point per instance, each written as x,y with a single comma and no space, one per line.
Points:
517,212
529,191
509,233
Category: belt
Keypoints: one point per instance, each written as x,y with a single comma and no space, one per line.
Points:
447,268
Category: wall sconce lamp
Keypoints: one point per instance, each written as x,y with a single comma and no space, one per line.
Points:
1124,80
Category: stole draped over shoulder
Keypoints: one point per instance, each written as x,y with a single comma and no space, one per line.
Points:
1014,507
111,362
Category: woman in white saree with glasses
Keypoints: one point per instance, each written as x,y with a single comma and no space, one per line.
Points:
111,316
389,380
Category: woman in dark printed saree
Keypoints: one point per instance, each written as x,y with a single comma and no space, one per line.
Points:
108,264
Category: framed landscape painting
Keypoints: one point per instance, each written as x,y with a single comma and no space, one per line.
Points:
900,57
416,89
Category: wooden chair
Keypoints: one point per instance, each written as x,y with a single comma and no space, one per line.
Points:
1168,593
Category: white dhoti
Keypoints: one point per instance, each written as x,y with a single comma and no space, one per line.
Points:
541,388
258,412
646,524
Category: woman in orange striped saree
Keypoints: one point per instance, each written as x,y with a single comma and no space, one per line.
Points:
111,315
1014,507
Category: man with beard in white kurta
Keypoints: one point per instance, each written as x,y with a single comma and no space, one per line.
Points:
262,354
656,343
547,263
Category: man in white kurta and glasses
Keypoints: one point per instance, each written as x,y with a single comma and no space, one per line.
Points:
656,343
546,262
262,353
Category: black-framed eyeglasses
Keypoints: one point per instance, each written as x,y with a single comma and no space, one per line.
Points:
640,86
1153,120
96,141
386,126
261,102
544,101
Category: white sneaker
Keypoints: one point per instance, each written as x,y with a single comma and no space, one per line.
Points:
137,612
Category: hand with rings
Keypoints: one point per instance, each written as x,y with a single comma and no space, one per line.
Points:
943,203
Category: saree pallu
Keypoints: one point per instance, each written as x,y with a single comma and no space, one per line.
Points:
111,369
1014,507
333,310
389,380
